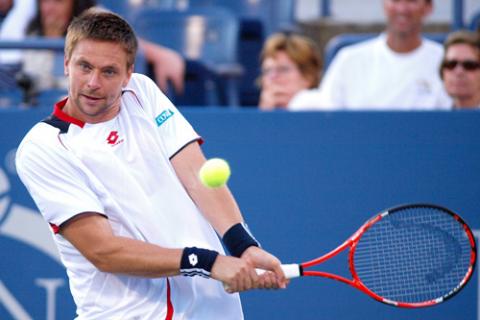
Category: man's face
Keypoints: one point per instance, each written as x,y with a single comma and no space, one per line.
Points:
461,71
97,72
405,17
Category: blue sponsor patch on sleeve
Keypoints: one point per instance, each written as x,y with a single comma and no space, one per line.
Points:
164,116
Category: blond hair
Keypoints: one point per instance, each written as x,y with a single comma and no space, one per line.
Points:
102,25
301,50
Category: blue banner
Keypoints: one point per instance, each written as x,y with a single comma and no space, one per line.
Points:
304,181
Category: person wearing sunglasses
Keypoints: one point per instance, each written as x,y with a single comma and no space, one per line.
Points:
396,70
460,69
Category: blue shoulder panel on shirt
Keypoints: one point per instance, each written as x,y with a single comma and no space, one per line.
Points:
57,123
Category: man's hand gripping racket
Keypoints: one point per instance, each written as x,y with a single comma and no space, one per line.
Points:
411,256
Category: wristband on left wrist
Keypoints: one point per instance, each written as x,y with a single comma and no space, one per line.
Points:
238,239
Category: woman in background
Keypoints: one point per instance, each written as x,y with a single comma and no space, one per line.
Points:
460,69
45,67
52,19
290,64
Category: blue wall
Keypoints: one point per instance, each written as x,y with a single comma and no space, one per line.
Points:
305,182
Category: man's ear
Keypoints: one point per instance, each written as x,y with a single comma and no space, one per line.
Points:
66,62
129,75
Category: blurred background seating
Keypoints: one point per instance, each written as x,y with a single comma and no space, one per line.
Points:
206,37
128,8
257,19
475,22
16,89
234,82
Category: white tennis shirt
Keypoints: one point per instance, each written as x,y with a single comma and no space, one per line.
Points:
121,168
371,76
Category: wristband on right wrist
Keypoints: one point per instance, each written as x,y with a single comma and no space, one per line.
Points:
238,239
197,262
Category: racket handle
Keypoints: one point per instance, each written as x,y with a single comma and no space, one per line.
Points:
291,270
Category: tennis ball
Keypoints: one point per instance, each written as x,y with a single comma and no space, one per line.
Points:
214,173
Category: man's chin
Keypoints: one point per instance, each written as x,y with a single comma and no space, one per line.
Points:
90,109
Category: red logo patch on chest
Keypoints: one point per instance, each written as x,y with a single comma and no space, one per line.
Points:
112,137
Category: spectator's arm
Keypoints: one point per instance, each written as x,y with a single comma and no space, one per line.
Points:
168,65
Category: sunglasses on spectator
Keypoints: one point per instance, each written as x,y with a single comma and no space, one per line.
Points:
468,65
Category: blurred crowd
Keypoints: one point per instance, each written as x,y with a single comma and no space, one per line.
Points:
399,69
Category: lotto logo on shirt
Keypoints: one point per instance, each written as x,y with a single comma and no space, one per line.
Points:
164,116
113,138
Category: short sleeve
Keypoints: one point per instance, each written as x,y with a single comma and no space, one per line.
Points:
174,130
59,188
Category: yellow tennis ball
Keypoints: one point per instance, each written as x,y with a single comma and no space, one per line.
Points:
214,173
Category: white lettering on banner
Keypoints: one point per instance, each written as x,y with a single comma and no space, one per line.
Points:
12,305
10,161
34,232
4,198
51,286
18,312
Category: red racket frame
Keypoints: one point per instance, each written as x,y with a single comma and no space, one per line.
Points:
357,283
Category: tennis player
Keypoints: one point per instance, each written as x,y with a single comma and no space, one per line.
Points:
114,172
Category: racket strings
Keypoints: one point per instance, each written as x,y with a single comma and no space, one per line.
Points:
413,255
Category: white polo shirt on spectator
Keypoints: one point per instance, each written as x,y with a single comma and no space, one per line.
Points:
371,76
121,168
14,27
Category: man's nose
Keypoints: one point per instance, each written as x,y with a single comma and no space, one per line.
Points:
94,80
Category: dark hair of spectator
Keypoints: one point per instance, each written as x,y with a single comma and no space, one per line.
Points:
35,26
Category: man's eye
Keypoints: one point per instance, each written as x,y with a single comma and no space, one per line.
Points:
84,66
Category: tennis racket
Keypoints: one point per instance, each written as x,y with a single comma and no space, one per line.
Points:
410,256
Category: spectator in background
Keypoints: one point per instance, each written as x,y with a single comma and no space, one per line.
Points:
14,27
5,6
167,64
396,70
290,64
460,69
45,67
